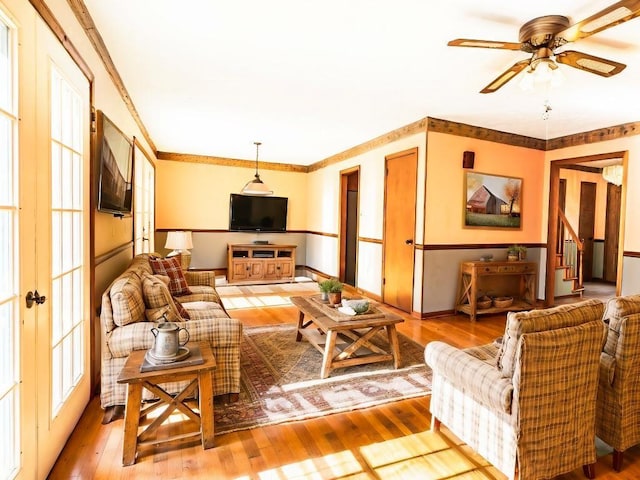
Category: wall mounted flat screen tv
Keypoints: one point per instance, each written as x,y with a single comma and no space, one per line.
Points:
249,213
115,157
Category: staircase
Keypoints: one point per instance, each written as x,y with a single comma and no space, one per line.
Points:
569,253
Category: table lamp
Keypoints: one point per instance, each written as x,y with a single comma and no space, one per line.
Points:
180,242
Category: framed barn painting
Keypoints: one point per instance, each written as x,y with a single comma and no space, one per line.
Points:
492,201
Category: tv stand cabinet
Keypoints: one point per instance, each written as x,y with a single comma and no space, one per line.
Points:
256,263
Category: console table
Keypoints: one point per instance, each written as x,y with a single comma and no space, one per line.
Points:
260,263
496,279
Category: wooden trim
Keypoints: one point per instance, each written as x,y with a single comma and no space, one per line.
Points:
47,15
216,271
345,180
206,230
370,240
323,234
230,162
91,31
630,254
112,253
418,126
582,168
463,130
552,233
440,313
623,221
565,162
478,246
593,136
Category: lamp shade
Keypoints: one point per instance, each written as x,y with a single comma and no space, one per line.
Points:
256,187
179,240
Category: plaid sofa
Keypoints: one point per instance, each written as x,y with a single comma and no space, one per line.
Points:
618,406
125,322
532,409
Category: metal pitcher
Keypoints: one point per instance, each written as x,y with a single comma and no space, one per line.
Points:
167,342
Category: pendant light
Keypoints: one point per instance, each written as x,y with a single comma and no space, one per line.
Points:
256,186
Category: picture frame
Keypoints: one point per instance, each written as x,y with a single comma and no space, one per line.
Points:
492,201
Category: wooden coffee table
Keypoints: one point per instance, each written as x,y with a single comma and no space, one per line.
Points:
345,343
201,378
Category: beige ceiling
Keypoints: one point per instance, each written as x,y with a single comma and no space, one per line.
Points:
310,79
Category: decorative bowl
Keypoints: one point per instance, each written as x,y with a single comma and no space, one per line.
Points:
359,306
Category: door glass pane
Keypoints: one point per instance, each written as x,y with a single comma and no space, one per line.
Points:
9,281
144,181
6,73
67,191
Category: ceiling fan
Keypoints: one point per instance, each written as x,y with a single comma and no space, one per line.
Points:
542,36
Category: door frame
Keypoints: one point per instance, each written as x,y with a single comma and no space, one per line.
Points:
552,224
344,184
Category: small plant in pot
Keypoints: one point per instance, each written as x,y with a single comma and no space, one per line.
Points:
325,288
516,252
333,288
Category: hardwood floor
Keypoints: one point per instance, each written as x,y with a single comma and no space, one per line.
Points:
392,441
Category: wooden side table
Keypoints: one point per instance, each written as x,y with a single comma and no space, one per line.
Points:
517,279
201,378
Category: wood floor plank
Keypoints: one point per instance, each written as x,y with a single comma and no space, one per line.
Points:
389,441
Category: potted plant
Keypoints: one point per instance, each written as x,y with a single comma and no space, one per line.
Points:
333,287
325,288
516,252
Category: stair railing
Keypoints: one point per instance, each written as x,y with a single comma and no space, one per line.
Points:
572,250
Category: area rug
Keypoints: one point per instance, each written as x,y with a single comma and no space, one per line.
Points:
280,381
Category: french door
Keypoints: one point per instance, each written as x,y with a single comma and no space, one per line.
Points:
143,218
45,234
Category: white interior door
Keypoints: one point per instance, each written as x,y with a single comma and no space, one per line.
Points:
50,254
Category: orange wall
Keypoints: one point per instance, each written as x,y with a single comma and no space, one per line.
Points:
195,196
445,197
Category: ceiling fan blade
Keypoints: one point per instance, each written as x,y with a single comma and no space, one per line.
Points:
590,63
615,14
467,42
504,77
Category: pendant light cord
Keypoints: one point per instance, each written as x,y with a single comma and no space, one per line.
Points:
257,144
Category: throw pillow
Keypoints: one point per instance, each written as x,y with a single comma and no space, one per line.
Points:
171,267
158,300
126,300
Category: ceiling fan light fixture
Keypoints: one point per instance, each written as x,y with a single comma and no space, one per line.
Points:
256,186
541,71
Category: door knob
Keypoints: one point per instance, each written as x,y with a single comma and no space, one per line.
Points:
34,297
409,241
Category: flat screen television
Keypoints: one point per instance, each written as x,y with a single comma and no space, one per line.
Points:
250,213
115,156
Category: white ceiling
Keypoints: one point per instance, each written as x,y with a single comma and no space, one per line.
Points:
310,79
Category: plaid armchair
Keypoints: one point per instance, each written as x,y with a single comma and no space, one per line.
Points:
618,406
532,411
